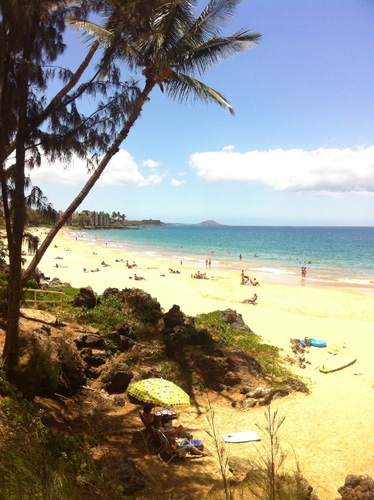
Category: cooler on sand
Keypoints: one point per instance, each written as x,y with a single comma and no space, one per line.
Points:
197,444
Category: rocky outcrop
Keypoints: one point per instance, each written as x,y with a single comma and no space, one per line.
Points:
357,488
117,379
144,306
235,320
86,298
174,317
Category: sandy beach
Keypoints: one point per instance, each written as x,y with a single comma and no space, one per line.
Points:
330,430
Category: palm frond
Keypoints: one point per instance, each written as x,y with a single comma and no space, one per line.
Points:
92,31
183,87
211,53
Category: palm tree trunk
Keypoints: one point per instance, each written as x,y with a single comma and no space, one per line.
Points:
114,148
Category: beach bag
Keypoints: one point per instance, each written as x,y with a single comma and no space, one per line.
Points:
197,444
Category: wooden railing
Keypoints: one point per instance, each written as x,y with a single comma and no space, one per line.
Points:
35,300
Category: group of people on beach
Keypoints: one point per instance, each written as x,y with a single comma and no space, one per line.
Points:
246,280
177,436
199,276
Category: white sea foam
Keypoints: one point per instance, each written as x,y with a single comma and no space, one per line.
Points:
273,270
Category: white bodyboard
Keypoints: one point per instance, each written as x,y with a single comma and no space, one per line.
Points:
240,437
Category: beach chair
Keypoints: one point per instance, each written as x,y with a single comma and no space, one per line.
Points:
166,450
153,437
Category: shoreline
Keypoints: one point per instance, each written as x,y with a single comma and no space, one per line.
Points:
281,276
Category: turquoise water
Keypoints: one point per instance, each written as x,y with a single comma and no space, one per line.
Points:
329,253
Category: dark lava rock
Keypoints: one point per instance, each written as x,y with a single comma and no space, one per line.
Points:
123,338
174,317
108,292
128,476
357,488
118,378
72,370
296,385
145,306
200,337
56,282
92,340
213,370
86,298
234,319
174,345
93,357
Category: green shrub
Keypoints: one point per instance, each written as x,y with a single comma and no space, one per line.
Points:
39,376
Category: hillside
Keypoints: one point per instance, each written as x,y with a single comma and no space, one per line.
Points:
209,223
77,362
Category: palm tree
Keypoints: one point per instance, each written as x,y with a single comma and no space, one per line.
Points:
169,44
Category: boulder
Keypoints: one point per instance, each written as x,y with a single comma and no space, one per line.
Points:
357,488
118,378
174,317
297,385
73,374
212,369
200,337
265,395
144,306
93,357
235,320
57,282
230,379
86,298
174,345
40,316
108,292
91,340
123,338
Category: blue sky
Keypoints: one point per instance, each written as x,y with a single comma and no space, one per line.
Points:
299,151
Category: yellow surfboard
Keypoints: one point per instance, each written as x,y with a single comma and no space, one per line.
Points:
336,363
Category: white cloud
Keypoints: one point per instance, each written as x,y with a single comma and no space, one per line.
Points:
120,171
151,163
323,170
177,183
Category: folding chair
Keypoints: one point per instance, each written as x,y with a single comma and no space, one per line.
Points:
168,451
153,438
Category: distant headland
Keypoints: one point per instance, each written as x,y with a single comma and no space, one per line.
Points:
210,223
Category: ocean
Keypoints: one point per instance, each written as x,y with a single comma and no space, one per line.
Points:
337,254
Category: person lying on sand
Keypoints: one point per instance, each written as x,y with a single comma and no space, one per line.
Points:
184,444
138,278
250,301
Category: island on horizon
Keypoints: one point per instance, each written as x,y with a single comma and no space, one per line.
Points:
210,223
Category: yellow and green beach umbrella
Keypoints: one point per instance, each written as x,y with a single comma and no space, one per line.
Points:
159,392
